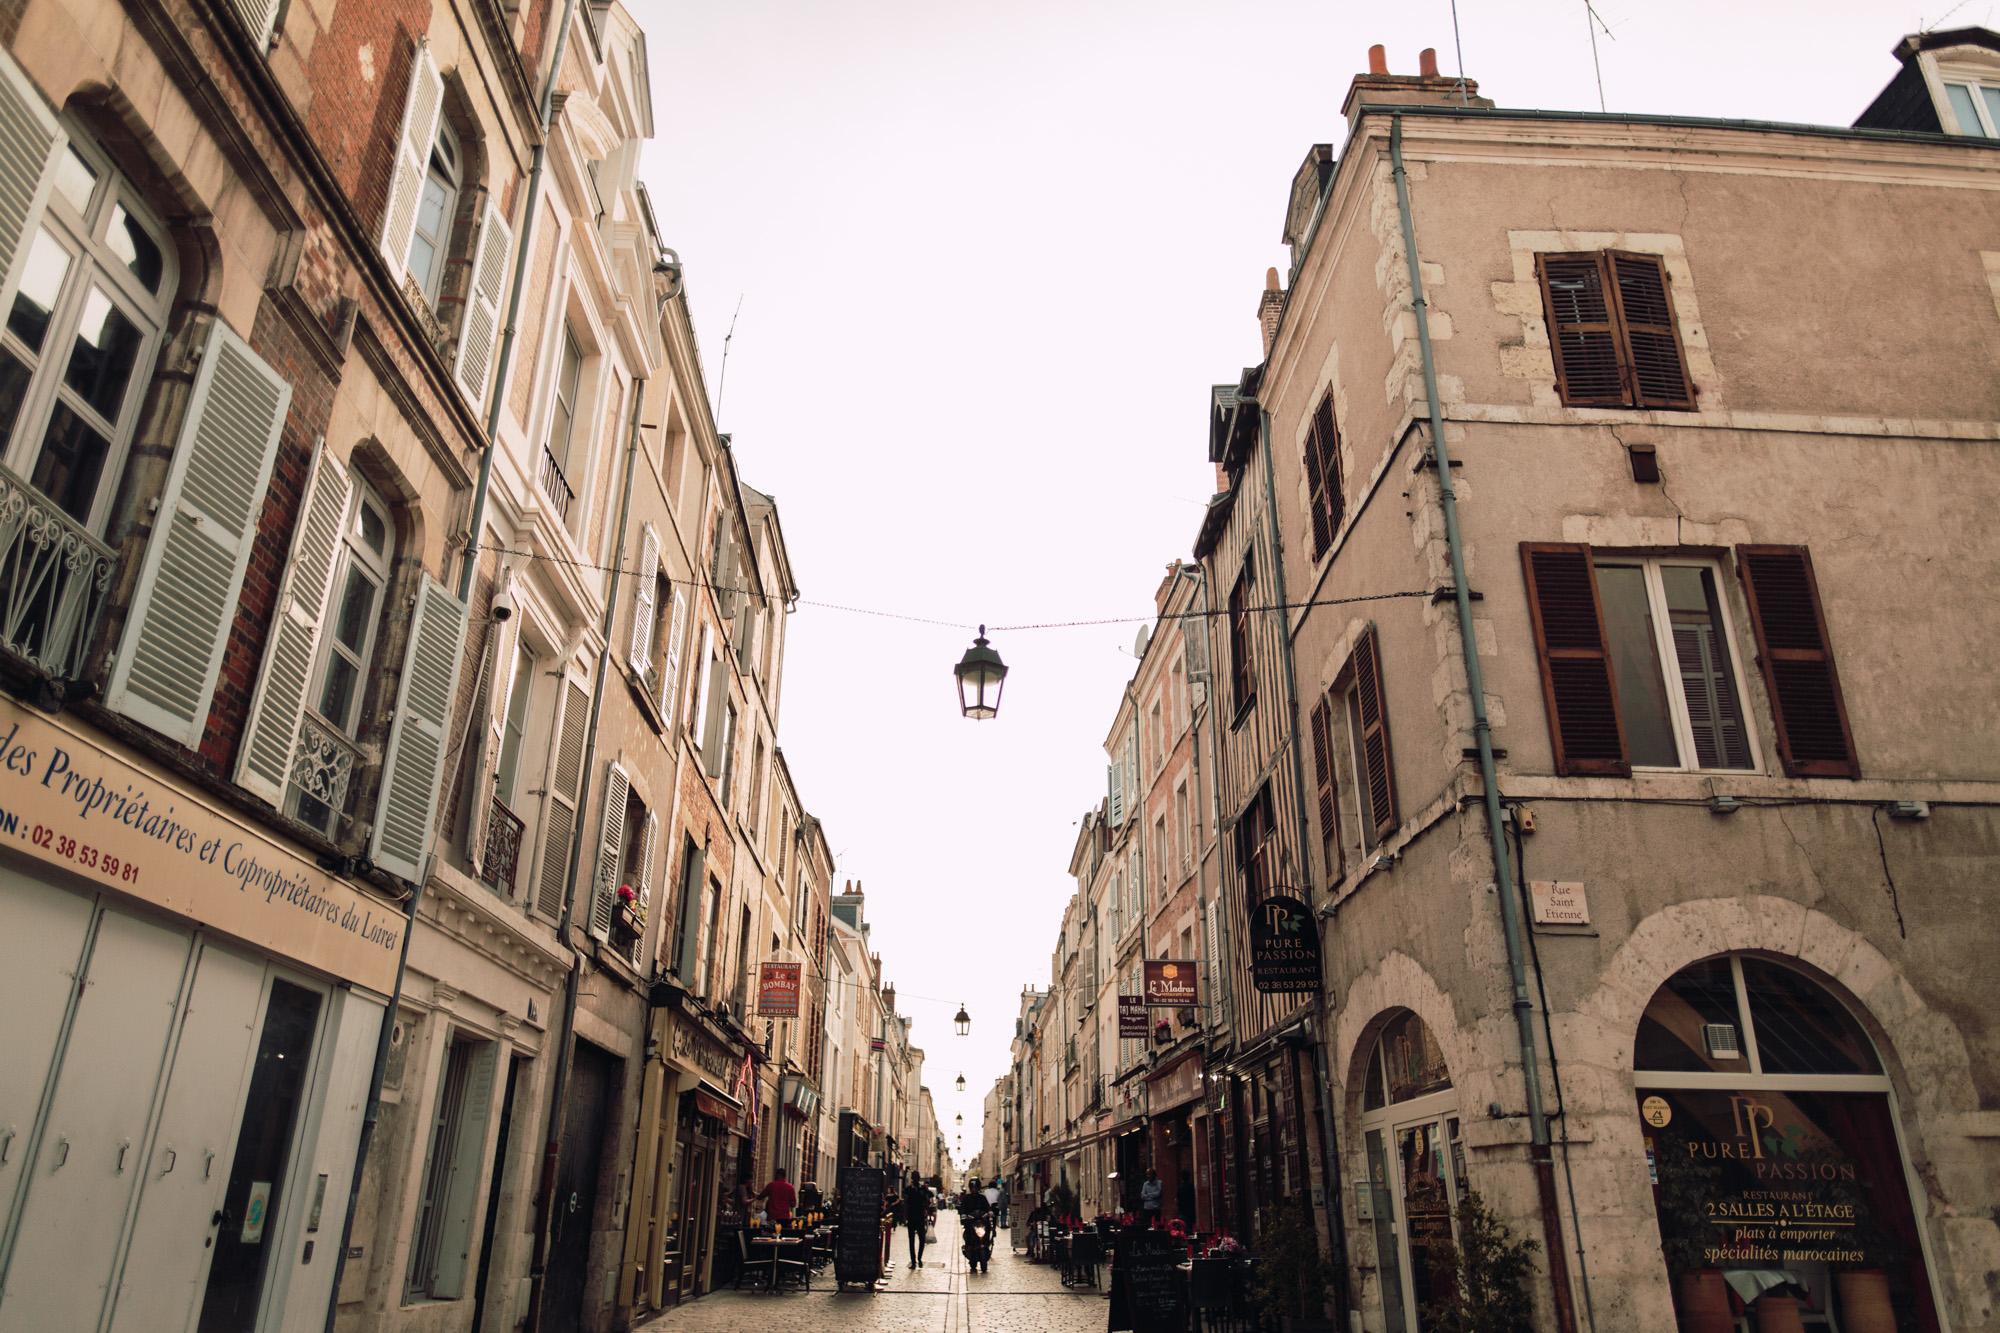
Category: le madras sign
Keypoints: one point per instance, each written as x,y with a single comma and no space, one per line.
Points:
67,801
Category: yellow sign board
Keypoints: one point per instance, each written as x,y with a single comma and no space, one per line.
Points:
68,801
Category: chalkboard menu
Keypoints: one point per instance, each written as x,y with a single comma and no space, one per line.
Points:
858,1256
1148,1293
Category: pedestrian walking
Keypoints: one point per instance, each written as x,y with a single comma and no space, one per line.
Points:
1005,1201
1150,1191
916,1216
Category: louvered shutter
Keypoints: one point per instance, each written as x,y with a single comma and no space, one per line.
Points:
1796,657
688,928
257,16
1583,330
610,850
264,756
670,668
1195,633
644,887
697,719
1211,957
31,142
1327,503
413,763
1585,729
644,577
1657,364
1322,743
489,715
559,816
478,340
1381,775
421,107
192,573
1714,718
1114,778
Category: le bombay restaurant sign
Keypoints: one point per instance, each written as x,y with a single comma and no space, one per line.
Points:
778,990
1132,1017
1170,983
1284,948
67,801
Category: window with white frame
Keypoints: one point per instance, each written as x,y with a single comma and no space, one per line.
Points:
558,446
514,726
80,339
436,207
1160,853
1975,105
1183,827
1680,695
347,648
1158,735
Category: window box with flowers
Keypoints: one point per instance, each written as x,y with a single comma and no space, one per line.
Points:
628,919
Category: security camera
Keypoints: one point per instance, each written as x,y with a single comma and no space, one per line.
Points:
503,606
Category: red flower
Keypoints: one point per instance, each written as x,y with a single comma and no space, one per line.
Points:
626,895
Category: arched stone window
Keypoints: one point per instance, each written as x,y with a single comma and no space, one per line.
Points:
1778,1175
1416,1168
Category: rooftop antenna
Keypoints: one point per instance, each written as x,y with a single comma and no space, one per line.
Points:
722,378
1458,45
1593,22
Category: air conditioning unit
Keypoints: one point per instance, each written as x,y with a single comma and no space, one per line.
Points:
1720,1041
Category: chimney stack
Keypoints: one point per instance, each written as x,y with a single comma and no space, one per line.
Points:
1427,87
1270,305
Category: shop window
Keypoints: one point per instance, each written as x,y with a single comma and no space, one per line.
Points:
1778,1179
1416,1167
81,334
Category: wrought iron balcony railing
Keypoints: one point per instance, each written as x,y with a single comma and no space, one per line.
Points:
54,578
502,857
556,486
322,769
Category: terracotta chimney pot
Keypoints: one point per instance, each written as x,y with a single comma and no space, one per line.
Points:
1427,62
1378,59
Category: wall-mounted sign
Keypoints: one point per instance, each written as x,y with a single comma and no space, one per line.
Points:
1170,983
1284,948
1132,1017
1559,902
66,800
778,990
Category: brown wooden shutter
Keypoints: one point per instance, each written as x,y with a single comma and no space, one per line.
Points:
1657,363
1583,330
1796,658
1329,828
1381,775
1327,503
1577,683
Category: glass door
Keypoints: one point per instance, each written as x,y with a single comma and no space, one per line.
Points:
279,1081
1431,1165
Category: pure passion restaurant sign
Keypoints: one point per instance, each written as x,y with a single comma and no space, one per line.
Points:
67,801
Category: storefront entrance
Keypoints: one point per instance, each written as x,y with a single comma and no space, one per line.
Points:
1779,1180
141,1191
1416,1170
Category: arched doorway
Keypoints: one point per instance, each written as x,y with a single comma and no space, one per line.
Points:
1779,1180
1416,1168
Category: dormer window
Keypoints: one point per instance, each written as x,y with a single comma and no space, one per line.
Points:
1975,107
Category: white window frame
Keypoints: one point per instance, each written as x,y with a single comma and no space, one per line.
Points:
1669,661
444,171
92,264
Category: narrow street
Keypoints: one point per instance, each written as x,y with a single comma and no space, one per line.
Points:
1014,1297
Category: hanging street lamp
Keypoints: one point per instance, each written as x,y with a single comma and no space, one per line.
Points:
981,675
964,1020
961,1083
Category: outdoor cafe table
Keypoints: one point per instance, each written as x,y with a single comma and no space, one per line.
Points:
768,1250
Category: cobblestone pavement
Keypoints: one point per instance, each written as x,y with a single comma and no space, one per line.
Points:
1015,1296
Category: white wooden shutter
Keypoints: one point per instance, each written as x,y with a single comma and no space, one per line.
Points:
31,141
467,1163
1114,779
716,693
421,107
647,847
1211,961
698,718
639,654
610,848
489,718
479,338
165,672
413,763
559,815
1195,631
257,16
264,757
670,673
693,880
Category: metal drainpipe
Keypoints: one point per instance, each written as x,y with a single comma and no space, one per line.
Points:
566,1029
1489,780
1335,1224
373,1114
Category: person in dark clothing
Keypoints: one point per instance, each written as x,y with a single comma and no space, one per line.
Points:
916,1216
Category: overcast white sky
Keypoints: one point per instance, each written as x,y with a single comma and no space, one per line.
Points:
990,258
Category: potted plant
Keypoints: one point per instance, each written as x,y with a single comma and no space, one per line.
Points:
1291,1272
629,917
1490,1270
